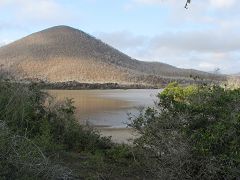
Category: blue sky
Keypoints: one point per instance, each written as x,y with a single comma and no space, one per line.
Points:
204,37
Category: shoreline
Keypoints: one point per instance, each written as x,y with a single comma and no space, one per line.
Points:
73,85
118,135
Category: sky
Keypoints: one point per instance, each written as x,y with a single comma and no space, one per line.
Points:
206,36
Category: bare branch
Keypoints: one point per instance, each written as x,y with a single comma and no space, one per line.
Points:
186,5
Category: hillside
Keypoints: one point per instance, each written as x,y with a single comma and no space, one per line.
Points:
62,53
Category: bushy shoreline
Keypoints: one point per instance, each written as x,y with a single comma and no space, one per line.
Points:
41,139
192,133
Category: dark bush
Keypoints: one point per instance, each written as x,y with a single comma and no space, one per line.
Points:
194,132
35,128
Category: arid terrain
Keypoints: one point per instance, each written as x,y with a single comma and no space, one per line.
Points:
62,53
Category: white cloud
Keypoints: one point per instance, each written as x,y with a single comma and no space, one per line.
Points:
147,1
205,36
41,9
214,3
122,39
222,3
3,2
5,42
159,2
35,11
200,50
200,41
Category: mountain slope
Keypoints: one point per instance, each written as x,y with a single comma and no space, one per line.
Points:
63,53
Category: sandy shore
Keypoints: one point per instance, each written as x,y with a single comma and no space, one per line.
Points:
119,135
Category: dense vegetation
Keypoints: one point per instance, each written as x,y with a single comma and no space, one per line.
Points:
192,133
41,139
35,130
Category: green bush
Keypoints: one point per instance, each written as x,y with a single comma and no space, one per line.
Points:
30,112
20,158
194,132
35,129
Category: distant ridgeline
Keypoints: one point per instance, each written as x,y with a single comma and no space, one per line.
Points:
65,54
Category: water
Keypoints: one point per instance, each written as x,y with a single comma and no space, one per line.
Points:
107,108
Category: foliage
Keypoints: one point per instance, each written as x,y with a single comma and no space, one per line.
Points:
35,129
192,133
20,158
41,139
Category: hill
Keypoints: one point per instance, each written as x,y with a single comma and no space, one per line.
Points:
62,53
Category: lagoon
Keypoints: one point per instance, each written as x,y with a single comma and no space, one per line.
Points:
108,110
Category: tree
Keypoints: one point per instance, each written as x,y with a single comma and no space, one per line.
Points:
188,2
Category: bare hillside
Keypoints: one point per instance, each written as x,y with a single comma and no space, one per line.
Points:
63,53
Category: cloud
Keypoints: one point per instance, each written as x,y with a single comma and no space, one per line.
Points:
41,10
2,44
34,11
200,50
5,42
205,36
200,41
148,1
122,39
222,3
158,2
213,3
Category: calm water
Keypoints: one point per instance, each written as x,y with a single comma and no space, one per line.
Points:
107,108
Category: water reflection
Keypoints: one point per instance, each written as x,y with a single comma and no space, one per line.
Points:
107,107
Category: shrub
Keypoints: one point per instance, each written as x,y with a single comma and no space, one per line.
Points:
20,158
193,132
34,128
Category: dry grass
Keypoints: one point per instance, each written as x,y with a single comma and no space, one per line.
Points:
233,82
64,54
